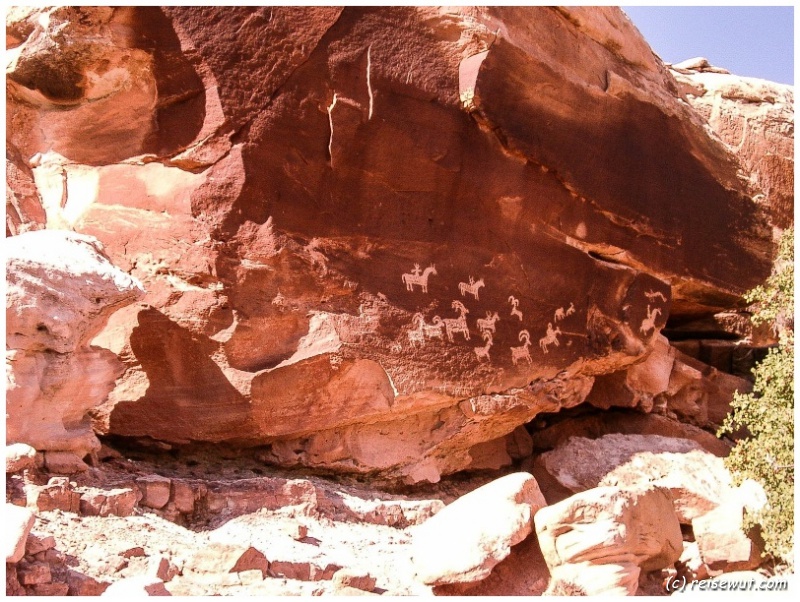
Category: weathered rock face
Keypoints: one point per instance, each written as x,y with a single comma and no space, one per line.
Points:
672,383
375,239
61,290
755,118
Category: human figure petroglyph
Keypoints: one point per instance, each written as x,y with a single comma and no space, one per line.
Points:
471,288
487,324
483,352
414,277
649,323
456,325
551,338
653,295
521,353
514,304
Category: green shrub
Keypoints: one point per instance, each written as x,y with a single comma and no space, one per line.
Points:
767,454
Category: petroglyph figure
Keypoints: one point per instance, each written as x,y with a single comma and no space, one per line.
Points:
487,324
279,300
649,323
368,320
410,279
417,334
653,295
551,338
430,331
434,330
471,288
561,314
521,353
483,352
514,304
455,325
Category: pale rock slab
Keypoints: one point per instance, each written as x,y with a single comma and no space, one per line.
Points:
465,540
723,543
697,479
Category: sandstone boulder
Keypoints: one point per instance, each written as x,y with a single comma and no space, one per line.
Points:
697,479
465,540
61,290
120,501
629,529
58,494
292,195
155,490
64,462
19,456
18,522
37,543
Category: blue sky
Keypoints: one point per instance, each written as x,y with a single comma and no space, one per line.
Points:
746,40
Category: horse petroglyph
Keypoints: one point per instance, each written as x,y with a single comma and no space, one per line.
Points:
410,279
649,323
521,353
551,338
483,352
471,288
514,304
459,324
487,324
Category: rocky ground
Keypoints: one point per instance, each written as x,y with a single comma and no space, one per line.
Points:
210,520
327,527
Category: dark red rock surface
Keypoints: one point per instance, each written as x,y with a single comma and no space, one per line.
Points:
273,176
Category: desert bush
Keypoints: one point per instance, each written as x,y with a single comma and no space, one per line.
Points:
767,453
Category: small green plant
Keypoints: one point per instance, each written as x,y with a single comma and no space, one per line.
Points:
767,453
